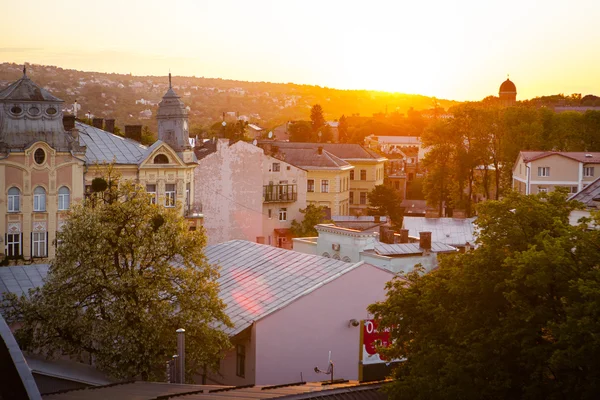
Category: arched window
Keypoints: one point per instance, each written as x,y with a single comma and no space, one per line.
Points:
326,254
39,199
64,198
347,259
161,159
14,199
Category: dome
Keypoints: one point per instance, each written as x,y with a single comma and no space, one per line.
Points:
508,87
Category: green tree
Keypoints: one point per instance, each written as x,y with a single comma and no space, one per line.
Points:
300,131
127,274
317,121
385,201
516,318
147,136
313,215
343,130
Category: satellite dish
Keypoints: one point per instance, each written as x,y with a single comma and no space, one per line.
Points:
270,134
255,142
223,123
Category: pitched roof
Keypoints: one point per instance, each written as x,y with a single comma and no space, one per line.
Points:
450,231
410,248
584,157
345,151
26,90
305,156
19,279
258,279
589,195
104,146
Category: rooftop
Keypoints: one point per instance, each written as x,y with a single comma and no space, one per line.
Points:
304,155
589,195
26,90
399,249
104,146
584,157
450,231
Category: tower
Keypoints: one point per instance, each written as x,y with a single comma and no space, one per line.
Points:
508,93
173,121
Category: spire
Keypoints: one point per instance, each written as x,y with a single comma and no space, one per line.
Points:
24,70
170,80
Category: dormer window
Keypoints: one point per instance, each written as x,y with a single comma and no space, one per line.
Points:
51,111
161,159
16,110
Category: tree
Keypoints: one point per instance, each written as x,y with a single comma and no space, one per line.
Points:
343,130
313,215
384,200
147,136
300,131
516,318
127,274
316,118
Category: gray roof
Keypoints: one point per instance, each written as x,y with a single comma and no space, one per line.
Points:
19,279
67,369
410,248
26,90
414,206
350,151
589,195
304,155
450,231
257,279
104,146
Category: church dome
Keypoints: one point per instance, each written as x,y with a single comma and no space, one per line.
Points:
508,87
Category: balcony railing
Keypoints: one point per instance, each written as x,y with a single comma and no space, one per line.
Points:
279,193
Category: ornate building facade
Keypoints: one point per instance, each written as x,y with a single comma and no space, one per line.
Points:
507,93
47,160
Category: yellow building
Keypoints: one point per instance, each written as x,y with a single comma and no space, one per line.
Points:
47,160
328,176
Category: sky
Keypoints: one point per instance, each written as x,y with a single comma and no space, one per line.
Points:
455,49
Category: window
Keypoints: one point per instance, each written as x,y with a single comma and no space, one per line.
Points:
325,186
14,199
13,244
351,198
310,185
38,244
64,198
574,189
543,171
363,174
39,156
39,199
161,159
187,195
170,195
240,360
542,190
151,190
351,174
270,212
283,214
588,171
363,197
275,167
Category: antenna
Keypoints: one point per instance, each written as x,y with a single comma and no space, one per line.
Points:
170,87
329,369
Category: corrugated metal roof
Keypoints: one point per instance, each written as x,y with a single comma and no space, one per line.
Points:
450,231
104,146
19,279
258,279
385,249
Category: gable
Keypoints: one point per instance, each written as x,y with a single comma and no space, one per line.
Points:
163,151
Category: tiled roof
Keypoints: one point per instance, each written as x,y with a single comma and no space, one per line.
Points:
344,390
340,150
19,279
397,139
257,279
584,157
589,195
410,248
450,231
104,146
309,158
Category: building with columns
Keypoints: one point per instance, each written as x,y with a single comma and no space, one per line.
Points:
47,160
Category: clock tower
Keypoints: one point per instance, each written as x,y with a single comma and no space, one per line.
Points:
172,118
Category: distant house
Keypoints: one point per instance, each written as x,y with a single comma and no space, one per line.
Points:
255,131
542,171
388,144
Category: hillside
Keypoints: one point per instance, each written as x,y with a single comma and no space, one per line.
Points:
267,104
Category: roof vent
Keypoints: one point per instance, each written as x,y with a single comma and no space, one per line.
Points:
588,155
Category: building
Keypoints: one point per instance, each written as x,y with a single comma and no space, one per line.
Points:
393,144
590,197
328,176
47,161
290,310
507,93
542,171
456,232
400,254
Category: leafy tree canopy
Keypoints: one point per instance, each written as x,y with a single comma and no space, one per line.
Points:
517,318
127,275
385,201
313,215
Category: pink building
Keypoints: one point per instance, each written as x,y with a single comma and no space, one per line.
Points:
290,310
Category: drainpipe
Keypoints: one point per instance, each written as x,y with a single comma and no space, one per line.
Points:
528,187
181,355
580,180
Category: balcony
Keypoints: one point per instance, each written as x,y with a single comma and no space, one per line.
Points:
280,193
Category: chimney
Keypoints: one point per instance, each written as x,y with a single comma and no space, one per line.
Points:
403,235
386,235
181,354
133,132
377,219
109,125
97,123
68,122
459,213
425,240
320,150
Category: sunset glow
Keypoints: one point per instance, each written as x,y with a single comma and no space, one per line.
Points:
459,50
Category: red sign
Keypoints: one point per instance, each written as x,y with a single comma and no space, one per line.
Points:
371,339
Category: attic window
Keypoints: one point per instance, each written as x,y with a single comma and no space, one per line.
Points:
39,156
161,159
51,111
16,110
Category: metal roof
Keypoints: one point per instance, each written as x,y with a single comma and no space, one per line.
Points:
589,195
450,231
26,90
344,390
341,150
67,370
258,279
309,158
19,279
104,146
410,248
